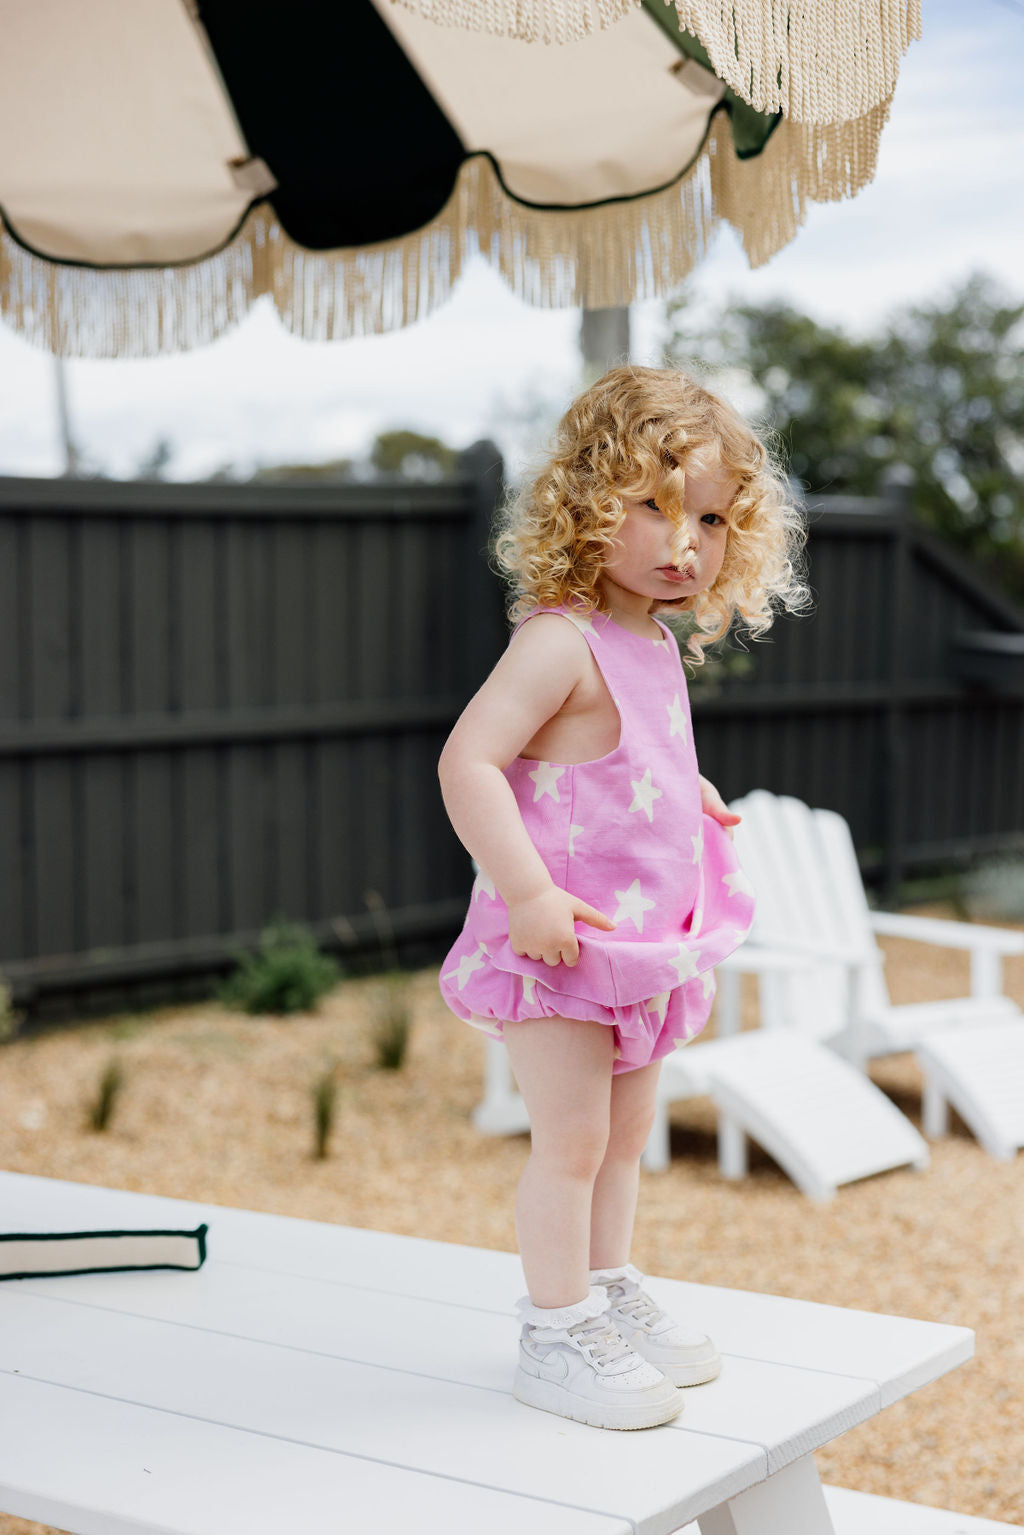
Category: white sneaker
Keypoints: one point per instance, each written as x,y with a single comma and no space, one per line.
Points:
588,1372
687,1357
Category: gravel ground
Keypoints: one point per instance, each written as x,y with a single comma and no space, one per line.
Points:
217,1107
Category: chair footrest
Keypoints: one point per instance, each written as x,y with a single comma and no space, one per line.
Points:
981,1072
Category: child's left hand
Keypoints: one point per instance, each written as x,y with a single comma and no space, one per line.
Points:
712,804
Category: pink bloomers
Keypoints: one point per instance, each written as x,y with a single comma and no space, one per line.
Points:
626,834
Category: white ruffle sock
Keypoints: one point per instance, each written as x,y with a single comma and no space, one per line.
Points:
618,1283
596,1304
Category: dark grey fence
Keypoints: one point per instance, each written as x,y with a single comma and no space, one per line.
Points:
223,703
899,702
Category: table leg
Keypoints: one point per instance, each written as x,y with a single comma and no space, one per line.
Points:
789,1503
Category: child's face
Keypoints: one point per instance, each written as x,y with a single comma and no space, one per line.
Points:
663,555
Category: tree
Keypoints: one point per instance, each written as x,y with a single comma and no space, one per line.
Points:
940,388
286,474
412,455
155,462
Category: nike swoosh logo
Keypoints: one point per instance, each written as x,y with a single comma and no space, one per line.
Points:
552,1366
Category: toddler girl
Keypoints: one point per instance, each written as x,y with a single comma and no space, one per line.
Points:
608,888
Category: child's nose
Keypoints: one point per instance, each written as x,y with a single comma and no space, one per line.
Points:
684,541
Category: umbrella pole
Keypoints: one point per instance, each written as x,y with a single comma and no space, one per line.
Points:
71,460
604,341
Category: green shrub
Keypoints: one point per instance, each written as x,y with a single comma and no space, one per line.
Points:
287,974
101,1110
993,890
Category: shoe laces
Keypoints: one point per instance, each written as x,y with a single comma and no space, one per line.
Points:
602,1340
640,1309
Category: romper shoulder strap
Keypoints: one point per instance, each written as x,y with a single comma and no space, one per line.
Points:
563,608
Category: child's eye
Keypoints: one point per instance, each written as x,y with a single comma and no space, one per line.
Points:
713,518
653,505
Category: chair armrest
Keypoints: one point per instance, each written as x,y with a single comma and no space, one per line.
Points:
947,935
791,951
751,959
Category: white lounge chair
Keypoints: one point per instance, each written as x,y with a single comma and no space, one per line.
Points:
822,1120
811,901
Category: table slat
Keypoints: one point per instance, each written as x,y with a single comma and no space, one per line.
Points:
172,1473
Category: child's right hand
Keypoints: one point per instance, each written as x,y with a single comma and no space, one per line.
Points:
542,926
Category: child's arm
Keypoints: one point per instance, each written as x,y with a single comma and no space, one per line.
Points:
530,683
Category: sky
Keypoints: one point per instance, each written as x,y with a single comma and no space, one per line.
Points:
947,199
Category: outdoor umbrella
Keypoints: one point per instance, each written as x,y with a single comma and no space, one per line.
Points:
164,164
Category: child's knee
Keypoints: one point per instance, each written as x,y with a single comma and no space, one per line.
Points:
572,1147
629,1133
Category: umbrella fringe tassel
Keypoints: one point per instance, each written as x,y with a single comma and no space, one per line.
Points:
816,63
594,257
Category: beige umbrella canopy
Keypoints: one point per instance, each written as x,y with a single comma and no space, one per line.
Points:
818,61
164,164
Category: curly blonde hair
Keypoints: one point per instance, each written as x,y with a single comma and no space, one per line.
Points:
631,435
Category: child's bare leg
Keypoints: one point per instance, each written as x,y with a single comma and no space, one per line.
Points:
564,1071
613,1207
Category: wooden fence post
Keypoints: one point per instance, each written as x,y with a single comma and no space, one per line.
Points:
484,628
897,492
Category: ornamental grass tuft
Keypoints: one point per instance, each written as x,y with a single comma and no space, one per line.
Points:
101,1110
325,1099
391,1020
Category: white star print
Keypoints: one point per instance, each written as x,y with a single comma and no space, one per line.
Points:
659,1005
737,883
632,905
662,640
645,794
686,963
708,982
584,625
698,845
484,885
467,964
574,832
529,987
677,718
546,776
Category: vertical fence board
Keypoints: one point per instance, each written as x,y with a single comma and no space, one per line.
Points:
54,826
155,849
99,639
294,619
331,673
101,829
11,653
51,608
148,622
196,600
291,808
245,836
14,940
199,845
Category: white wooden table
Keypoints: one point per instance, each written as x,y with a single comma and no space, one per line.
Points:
320,1378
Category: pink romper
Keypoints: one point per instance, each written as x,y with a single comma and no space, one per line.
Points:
626,834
